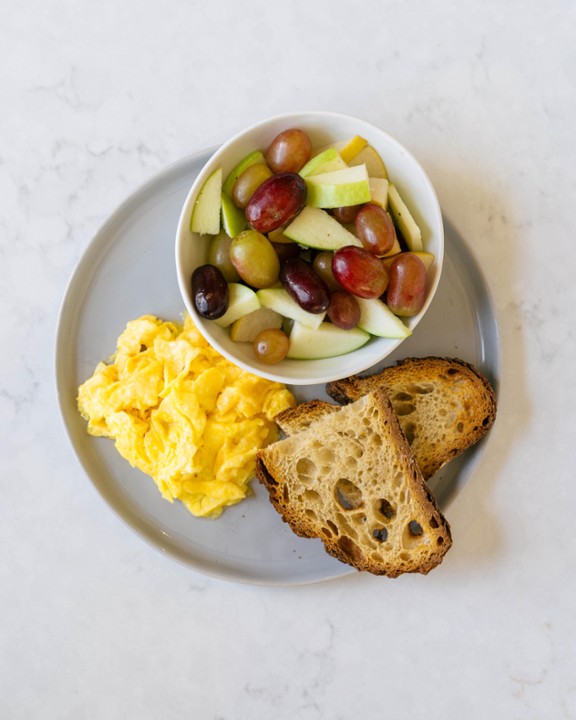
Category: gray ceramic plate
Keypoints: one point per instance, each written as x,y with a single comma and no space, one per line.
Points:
128,270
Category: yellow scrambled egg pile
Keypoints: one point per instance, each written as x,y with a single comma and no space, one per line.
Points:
182,413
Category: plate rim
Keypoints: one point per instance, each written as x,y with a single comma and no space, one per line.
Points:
128,515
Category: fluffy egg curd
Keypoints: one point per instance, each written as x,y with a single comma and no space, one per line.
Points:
182,413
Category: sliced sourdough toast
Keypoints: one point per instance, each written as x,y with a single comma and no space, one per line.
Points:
351,480
444,406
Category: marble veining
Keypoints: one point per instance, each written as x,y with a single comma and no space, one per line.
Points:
96,98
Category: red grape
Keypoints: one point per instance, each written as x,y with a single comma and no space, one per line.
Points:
276,201
407,287
375,229
343,311
346,215
359,272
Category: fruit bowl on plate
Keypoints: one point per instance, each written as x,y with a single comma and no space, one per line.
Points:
309,247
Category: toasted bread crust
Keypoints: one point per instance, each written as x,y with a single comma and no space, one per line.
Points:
301,416
360,450
444,405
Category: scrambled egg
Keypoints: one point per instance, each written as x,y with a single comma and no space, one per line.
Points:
182,413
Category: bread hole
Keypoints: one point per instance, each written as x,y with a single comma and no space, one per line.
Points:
423,389
359,519
452,371
434,523
386,509
286,493
410,432
310,514
413,535
460,427
486,421
440,540
348,495
305,468
402,397
311,495
402,409
333,527
380,534
405,556
326,532
415,528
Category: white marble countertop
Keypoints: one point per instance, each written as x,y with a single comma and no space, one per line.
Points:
99,97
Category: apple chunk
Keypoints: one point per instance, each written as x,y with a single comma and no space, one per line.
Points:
277,299
315,228
246,328
233,219
325,341
374,163
206,212
340,188
404,220
253,158
243,300
377,319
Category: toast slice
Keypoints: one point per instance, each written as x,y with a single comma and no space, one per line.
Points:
444,406
351,480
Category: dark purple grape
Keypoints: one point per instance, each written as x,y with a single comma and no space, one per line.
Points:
304,286
343,311
276,202
286,251
209,292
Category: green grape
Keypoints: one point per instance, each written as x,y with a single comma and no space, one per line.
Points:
219,255
248,182
254,259
271,346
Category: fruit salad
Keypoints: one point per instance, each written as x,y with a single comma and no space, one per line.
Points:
312,251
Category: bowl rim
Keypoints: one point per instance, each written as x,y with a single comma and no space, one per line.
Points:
275,372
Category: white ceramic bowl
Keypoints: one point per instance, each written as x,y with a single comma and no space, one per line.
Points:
323,128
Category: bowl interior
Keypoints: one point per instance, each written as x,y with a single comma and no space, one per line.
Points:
323,128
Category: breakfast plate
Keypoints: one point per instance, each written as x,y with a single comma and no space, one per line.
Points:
127,271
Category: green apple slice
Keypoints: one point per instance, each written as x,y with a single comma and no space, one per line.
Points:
377,319
315,228
253,158
379,191
404,220
317,161
326,161
325,341
243,300
277,299
233,218
205,218
248,327
371,158
340,188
